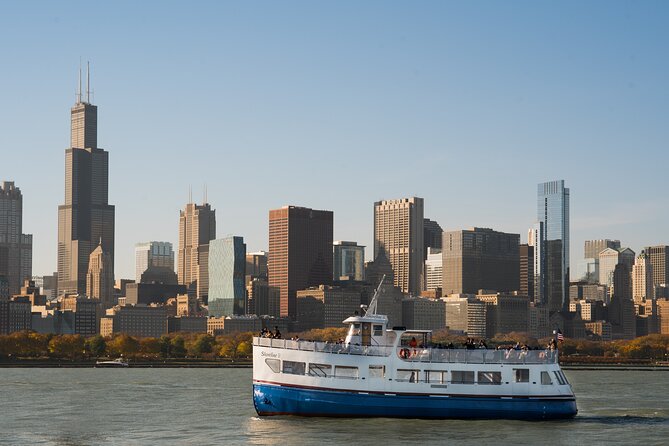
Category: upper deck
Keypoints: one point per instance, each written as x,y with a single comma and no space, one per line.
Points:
418,354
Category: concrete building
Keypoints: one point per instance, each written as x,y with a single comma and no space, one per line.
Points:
86,313
663,316
587,291
256,266
86,219
480,258
100,278
421,313
197,227
153,255
600,329
227,277
590,310
263,300
15,315
505,313
538,321
642,279
588,267
398,233
592,248
325,306
348,260
152,293
551,246
140,321
15,247
432,236
526,285
186,324
434,269
465,314
622,313
608,259
659,260
300,252
187,305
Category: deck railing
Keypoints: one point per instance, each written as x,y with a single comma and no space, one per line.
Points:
418,355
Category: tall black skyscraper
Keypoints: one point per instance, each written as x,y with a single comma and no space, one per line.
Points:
86,219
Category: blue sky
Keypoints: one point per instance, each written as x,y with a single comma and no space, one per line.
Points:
334,105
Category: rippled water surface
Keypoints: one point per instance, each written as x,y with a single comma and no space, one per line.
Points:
213,406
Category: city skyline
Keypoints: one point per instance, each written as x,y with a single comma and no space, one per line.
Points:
444,121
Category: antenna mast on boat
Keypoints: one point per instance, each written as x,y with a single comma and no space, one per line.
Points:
372,305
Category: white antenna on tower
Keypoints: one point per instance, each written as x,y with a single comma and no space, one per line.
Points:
88,82
205,193
79,89
190,194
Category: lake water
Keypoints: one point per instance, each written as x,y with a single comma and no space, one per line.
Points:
213,406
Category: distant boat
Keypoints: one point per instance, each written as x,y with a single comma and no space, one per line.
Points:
377,372
118,362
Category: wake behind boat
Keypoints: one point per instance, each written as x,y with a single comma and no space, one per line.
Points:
380,372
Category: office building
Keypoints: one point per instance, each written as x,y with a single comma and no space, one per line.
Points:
15,314
139,321
100,278
152,293
592,248
601,330
551,246
300,252
432,235
505,313
587,291
325,306
197,226
659,260
227,277
465,314
263,300
609,259
217,326
434,269
622,313
590,310
642,279
526,286
480,258
421,313
348,260
15,246
153,255
86,313
86,219
256,266
398,233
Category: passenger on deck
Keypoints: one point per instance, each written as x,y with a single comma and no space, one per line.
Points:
482,344
277,333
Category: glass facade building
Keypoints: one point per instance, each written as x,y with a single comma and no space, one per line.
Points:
552,245
151,255
227,271
349,260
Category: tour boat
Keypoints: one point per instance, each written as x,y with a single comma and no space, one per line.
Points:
118,362
381,372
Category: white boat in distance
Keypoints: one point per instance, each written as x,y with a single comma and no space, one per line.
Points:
118,362
380,372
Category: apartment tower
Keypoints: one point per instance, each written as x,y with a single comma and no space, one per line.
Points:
86,219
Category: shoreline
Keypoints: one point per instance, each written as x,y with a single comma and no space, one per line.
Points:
90,363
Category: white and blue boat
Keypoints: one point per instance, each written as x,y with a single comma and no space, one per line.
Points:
381,372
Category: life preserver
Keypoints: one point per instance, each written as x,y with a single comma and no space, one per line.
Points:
404,353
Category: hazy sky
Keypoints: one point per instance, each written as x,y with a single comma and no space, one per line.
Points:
334,105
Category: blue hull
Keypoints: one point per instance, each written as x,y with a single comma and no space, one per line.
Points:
277,400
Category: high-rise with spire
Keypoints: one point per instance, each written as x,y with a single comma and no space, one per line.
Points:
86,219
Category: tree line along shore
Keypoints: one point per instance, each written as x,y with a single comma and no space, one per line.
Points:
202,347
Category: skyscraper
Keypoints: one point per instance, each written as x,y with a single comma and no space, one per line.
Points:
197,226
552,245
348,260
642,279
480,258
592,248
100,278
609,258
16,248
399,232
227,272
526,286
432,235
434,269
300,252
152,255
659,259
86,219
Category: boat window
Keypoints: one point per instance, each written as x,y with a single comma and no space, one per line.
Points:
342,371
274,364
522,375
546,379
490,378
293,367
559,378
411,376
436,376
377,371
378,330
462,377
323,370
